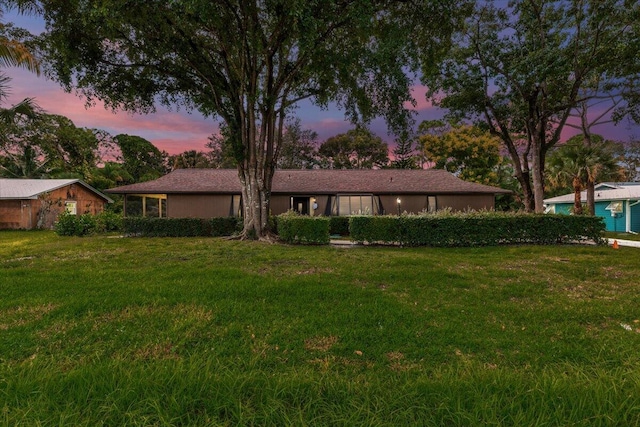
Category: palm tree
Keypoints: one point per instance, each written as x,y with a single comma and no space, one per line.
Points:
13,53
579,165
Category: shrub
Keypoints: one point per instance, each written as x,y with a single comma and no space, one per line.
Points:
225,226
294,228
181,227
339,225
476,229
75,225
108,221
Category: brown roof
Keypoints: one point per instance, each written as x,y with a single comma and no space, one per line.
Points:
316,181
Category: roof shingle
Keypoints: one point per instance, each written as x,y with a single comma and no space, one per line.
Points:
316,181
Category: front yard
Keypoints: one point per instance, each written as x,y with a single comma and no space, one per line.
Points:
203,331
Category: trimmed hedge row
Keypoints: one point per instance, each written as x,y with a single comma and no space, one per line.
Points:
182,227
476,229
293,228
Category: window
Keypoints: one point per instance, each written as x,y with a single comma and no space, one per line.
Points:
432,205
236,205
356,205
614,207
154,206
71,208
133,205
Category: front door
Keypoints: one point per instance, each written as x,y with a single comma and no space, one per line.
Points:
300,205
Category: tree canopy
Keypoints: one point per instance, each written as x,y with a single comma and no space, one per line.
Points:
467,151
248,63
577,164
357,149
520,69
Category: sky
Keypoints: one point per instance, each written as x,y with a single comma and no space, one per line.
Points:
176,130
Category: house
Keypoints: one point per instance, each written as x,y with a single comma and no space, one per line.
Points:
205,193
617,203
36,203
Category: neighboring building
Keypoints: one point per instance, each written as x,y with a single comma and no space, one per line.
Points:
206,193
617,203
36,203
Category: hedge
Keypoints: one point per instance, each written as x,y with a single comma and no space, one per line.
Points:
182,227
293,228
339,225
476,229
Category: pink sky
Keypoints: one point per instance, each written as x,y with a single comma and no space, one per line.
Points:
177,131
174,131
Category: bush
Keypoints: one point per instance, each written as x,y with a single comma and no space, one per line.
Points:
181,227
475,229
339,225
294,228
75,225
225,226
108,221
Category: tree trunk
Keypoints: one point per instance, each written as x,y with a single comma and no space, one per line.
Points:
591,197
577,200
527,194
255,203
537,164
586,134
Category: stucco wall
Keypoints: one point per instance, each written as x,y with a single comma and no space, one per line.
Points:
43,212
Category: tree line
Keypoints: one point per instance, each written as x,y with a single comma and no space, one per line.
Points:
521,71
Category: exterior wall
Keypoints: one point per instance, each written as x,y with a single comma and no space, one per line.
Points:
408,203
635,218
465,202
618,224
280,204
199,206
43,212
210,205
15,214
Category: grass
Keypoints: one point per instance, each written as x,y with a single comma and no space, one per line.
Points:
206,332
623,236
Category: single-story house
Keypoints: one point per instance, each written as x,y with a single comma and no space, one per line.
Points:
617,203
36,203
206,193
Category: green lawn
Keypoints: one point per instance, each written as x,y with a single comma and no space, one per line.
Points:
206,332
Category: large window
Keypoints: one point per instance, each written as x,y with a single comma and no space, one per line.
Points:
153,206
356,205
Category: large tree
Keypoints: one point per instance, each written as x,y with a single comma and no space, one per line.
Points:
140,158
299,147
357,149
469,152
247,62
521,68
47,145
